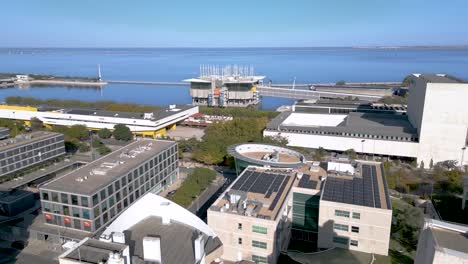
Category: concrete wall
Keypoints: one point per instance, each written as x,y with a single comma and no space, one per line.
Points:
225,225
379,147
416,99
444,123
374,227
426,248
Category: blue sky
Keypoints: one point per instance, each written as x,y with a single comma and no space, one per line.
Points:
235,23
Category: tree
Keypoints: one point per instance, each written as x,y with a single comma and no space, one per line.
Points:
103,150
431,164
351,153
36,123
421,166
320,153
83,147
104,133
407,81
341,82
122,132
79,132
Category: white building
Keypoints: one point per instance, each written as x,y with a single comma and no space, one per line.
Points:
442,243
434,128
152,124
152,230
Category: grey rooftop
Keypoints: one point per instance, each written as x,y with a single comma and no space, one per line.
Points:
94,251
177,240
23,139
439,78
358,123
105,170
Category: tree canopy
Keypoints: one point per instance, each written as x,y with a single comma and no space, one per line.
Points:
104,133
122,132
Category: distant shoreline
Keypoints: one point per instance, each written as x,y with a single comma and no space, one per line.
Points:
13,49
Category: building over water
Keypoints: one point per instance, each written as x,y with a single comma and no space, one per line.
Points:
229,86
434,128
319,205
88,199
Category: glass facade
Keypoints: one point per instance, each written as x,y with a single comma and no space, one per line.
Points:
342,213
259,244
259,259
305,217
259,229
340,240
90,212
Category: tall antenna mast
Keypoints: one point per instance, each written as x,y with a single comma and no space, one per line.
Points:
99,72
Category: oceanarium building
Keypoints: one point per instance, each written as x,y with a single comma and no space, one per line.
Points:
435,126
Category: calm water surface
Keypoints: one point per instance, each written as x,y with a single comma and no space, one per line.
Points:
281,65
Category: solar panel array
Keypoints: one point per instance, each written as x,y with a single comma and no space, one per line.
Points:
306,182
263,183
359,191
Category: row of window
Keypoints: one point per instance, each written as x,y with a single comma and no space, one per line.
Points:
345,241
18,164
346,214
29,147
259,259
255,229
354,229
255,243
344,134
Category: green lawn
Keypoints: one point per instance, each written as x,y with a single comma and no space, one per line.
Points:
196,183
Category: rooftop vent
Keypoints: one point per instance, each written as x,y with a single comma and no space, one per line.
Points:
152,249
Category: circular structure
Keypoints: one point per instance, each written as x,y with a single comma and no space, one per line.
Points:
264,155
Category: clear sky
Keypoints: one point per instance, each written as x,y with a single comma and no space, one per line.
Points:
235,23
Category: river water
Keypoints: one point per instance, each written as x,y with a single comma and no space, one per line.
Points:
281,65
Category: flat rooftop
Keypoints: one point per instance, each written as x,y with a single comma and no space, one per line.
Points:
94,251
177,240
105,170
265,154
23,139
450,235
367,187
158,114
9,197
438,78
346,104
354,122
264,190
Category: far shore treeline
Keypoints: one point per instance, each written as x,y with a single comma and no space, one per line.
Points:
103,105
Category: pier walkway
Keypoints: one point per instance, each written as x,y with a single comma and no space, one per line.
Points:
310,94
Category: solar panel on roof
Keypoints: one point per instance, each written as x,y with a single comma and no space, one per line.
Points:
278,194
249,182
241,181
305,182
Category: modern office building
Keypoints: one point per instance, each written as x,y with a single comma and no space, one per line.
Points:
355,210
250,217
233,86
152,124
89,198
152,230
321,204
26,150
4,132
264,155
15,202
434,128
442,242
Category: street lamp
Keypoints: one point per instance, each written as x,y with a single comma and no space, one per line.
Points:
462,157
362,146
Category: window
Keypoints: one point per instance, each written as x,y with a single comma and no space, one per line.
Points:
259,259
54,197
76,212
356,215
74,199
239,226
239,241
342,213
259,244
64,198
46,207
84,201
103,194
355,229
77,224
45,196
353,243
341,227
340,240
66,210
104,206
259,229
110,189
96,211
95,199
86,213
